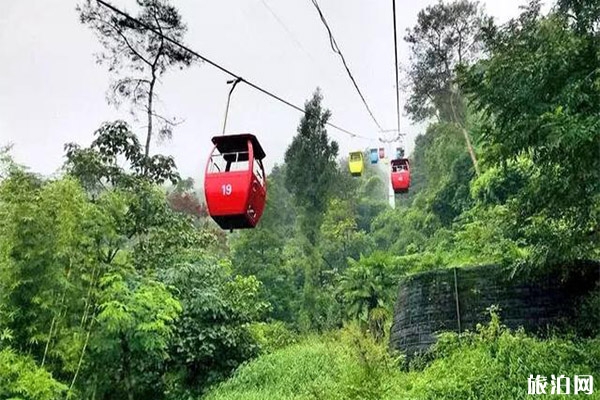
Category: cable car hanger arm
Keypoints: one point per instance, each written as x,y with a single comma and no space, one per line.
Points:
234,82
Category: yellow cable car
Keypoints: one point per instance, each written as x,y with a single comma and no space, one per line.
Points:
356,163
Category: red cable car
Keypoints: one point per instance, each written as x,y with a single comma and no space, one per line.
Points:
400,175
235,183
381,152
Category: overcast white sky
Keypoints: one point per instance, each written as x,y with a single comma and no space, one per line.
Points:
52,91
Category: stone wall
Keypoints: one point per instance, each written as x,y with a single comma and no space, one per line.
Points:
457,299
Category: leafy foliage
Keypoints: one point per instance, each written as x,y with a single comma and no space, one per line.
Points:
346,365
502,359
367,289
101,163
446,35
310,164
113,287
368,284
537,92
491,363
95,292
272,336
135,324
137,56
211,338
21,378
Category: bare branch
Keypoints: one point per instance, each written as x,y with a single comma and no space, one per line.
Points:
166,120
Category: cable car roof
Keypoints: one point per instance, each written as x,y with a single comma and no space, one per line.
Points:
238,143
400,161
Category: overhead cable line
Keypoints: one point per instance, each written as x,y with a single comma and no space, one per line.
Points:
219,67
286,29
294,39
396,59
336,49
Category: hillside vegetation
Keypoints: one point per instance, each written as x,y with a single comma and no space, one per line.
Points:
115,284
492,363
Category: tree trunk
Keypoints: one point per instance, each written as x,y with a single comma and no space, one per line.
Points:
150,101
49,339
54,323
471,150
126,365
88,299
458,122
79,364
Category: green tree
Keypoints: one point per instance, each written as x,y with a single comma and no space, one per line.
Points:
261,254
486,235
310,165
48,246
440,157
538,93
135,322
211,338
100,166
585,14
137,57
260,251
340,237
314,300
21,378
404,230
81,290
370,196
367,291
446,36
280,211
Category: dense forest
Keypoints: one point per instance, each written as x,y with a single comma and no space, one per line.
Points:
116,284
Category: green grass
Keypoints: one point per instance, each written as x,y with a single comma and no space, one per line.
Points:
300,371
491,364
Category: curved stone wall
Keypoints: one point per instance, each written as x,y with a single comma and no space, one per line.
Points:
457,299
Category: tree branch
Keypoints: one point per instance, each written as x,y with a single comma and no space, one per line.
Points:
166,120
122,35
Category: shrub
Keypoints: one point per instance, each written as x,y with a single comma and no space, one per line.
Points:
21,378
491,363
495,363
272,336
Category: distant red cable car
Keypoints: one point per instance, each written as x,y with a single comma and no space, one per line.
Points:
400,175
235,183
381,152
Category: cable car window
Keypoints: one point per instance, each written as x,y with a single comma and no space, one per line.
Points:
258,172
216,164
228,162
355,157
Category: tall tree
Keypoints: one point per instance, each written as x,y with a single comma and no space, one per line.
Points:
310,165
137,57
538,91
446,36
